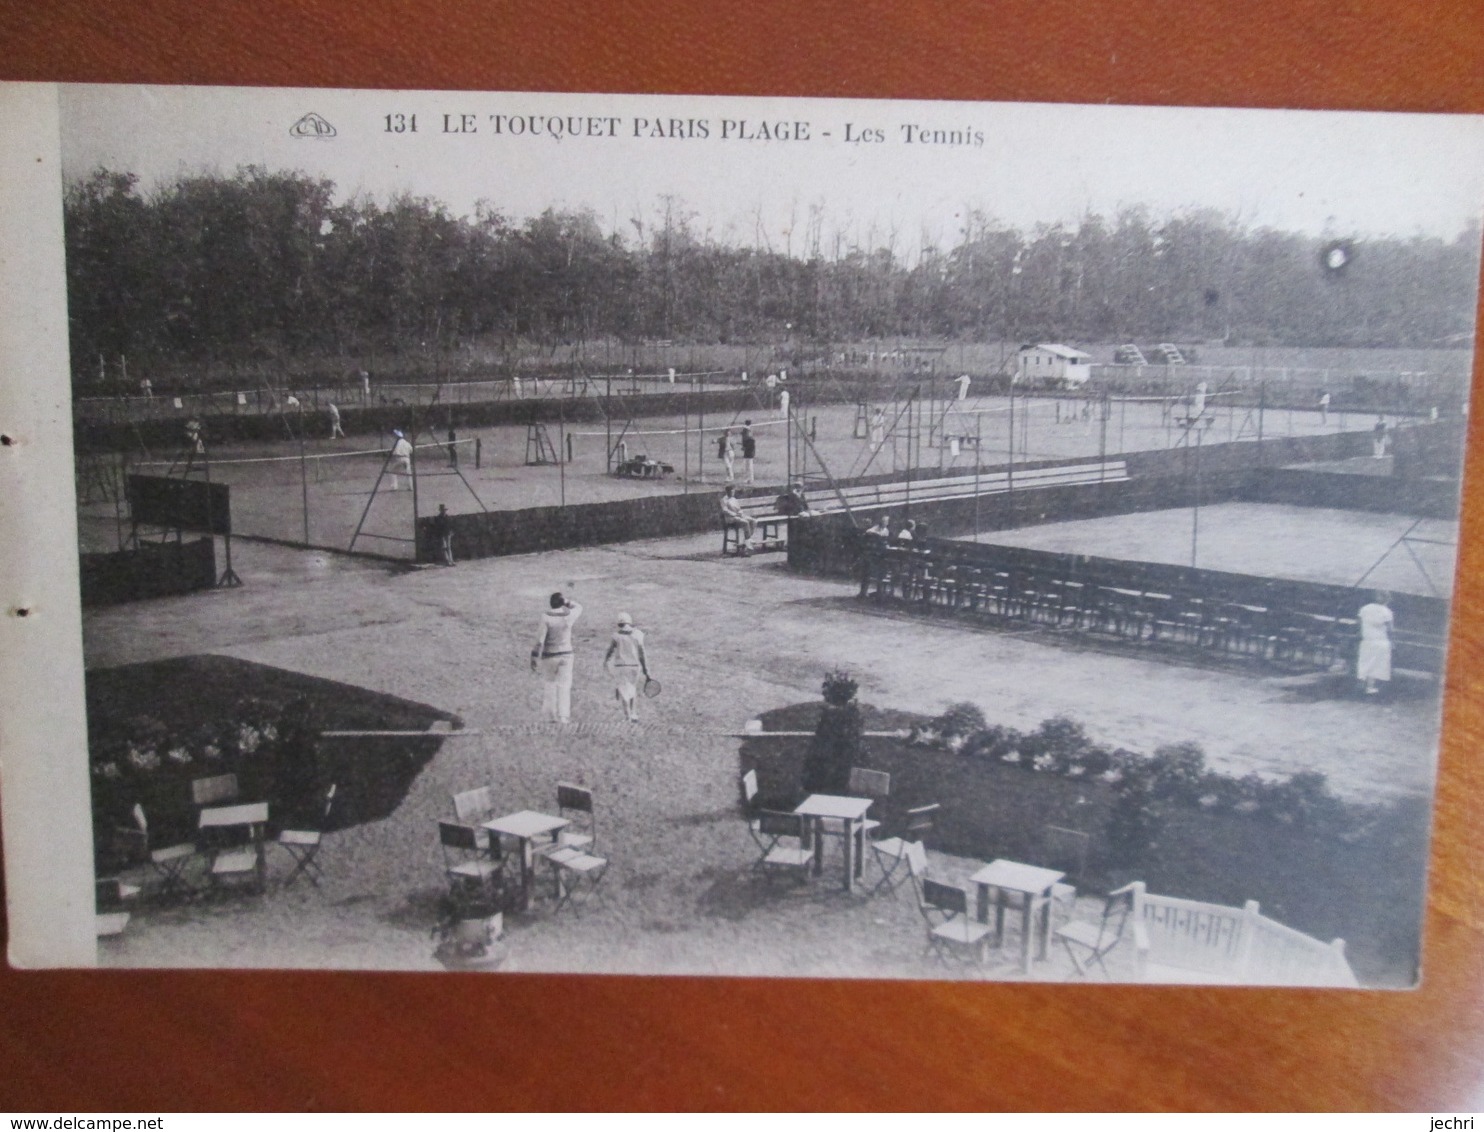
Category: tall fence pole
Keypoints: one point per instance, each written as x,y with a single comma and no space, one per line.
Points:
304,475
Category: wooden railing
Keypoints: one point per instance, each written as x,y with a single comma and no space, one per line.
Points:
1182,940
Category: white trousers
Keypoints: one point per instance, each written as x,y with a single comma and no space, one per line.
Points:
556,701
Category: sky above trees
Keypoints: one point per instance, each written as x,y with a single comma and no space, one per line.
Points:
908,177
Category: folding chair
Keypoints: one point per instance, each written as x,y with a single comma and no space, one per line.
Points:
170,861
773,828
748,784
873,784
303,845
945,908
890,852
111,902
1066,850
575,803
574,868
474,806
1089,944
236,855
214,791
474,876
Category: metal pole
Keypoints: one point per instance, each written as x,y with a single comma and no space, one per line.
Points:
608,426
700,427
1103,439
1195,512
1010,469
562,452
304,475
978,448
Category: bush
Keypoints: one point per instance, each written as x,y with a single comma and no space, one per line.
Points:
1178,772
960,720
839,688
836,745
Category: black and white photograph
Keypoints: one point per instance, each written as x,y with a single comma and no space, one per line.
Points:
734,536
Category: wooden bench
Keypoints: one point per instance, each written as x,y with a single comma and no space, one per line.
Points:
770,530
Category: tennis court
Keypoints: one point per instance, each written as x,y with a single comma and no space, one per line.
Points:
321,491
1312,544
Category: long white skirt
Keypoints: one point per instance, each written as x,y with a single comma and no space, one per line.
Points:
1374,662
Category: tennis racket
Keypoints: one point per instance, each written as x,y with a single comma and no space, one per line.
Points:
652,687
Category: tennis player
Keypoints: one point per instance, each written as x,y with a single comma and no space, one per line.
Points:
401,458
626,663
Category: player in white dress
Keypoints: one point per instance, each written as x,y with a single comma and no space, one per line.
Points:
1374,661
627,664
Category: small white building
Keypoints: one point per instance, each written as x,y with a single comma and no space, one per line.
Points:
1052,364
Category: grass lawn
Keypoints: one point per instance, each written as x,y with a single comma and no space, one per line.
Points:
1365,886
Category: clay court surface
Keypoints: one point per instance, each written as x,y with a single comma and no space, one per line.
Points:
274,483
730,639
1309,544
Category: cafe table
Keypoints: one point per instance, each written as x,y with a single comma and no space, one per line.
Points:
1033,885
526,826
849,811
249,815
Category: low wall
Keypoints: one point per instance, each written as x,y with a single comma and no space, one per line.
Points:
155,569
492,534
1423,498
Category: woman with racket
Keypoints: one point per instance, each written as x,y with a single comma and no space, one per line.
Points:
626,663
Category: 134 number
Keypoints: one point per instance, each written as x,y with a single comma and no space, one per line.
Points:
401,124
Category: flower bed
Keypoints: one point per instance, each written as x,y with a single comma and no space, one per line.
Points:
155,728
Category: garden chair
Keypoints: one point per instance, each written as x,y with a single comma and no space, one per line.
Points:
303,844
168,861
873,784
236,853
890,852
945,907
1089,944
575,869
783,838
473,872
575,803
1066,850
216,790
750,809
474,806
111,902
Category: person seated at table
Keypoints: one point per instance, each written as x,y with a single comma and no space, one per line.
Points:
882,529
908,533
792,502
732,515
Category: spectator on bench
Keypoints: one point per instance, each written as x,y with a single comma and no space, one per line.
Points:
792,501
732,515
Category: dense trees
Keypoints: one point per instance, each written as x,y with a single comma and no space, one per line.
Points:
263,266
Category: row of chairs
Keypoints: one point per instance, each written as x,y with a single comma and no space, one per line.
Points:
228,854
1042,597
478,863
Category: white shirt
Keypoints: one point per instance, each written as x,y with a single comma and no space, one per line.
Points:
402,449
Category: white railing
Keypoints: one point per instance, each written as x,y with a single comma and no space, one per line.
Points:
897,493
1194,941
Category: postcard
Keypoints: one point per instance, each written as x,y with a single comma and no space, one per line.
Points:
708,535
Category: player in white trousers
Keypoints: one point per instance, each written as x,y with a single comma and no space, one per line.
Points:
552,657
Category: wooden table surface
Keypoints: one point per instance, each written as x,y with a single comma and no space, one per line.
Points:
146,1041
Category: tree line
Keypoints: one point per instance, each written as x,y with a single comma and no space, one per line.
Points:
266,265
